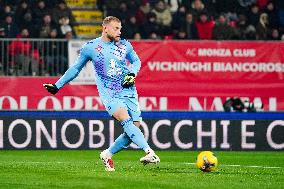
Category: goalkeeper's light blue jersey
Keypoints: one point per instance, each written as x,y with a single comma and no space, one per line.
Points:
110,65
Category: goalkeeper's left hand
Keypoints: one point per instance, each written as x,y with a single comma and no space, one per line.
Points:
51,88
128,80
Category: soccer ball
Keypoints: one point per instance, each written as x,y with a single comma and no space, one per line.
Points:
206,161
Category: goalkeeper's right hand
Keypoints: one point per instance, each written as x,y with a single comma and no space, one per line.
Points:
51,88
128,80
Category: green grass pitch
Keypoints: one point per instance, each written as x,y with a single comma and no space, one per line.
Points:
83,169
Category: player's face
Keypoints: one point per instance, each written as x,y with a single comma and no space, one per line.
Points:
113,31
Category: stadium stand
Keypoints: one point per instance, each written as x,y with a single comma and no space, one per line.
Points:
87,17
151,19
57,21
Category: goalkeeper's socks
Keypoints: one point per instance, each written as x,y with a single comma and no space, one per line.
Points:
107,153
122,142
135,134
148,150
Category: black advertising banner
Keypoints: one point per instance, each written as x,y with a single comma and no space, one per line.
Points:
163,130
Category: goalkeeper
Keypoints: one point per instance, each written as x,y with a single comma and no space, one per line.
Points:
116,86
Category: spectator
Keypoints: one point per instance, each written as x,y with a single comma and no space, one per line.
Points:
154,36
141,13
11,28
179,18
190,27
124,13
275,35
164,16
46,27
151,26
197,8
210,7
28,23
272,15
7,10
24,12
24,57
21,10
250,33
243,30
241,27
39,12
130,28
137,36
64,26
55,58
231,17
60,11
222,30
205,27
181,35
253,15
174,5
262,30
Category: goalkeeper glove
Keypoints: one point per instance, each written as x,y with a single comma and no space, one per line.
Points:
51,88
128,80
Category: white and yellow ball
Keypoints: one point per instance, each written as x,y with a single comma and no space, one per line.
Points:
206,161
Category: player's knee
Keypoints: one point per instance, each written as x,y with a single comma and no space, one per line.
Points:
137,123
121,114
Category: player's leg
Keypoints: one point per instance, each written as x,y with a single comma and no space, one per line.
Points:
118,109
133,132
150,156
120,143
123,141
135,113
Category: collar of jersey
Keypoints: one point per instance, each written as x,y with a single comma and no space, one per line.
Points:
105,42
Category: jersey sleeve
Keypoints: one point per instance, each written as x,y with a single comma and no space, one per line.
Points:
133,59
75,69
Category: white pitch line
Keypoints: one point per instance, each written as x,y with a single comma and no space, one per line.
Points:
187,163
250,166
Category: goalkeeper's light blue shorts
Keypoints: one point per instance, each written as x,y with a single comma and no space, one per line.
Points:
129,103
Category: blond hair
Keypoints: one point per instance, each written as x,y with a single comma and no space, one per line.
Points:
109,19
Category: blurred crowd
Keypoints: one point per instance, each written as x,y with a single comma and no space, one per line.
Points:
152,19
141,19
36,18
199,19
25,19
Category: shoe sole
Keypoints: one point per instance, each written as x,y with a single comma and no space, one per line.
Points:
145,162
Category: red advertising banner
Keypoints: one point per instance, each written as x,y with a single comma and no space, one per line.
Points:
175,75
197,75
